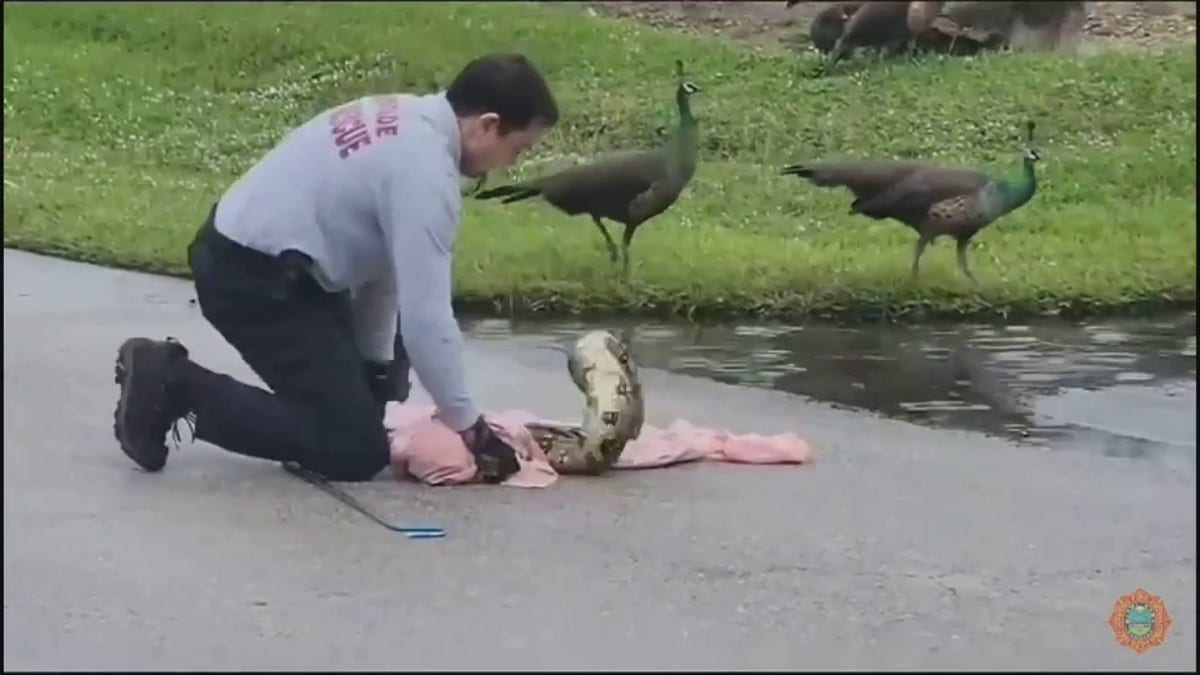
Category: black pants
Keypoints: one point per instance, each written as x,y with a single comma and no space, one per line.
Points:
299,339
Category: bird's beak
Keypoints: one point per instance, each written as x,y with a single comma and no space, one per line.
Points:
475,188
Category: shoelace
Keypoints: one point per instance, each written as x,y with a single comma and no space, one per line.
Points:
316,479
189,420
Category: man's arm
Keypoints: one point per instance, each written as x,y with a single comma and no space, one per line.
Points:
419,202
373,309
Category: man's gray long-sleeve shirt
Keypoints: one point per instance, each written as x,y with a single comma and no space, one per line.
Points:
370,191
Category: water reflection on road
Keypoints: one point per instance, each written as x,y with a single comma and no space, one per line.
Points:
1120,387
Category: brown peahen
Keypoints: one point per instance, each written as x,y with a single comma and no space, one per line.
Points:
827,26
931,29
921,15
933,200
627,187
881,25
1019,25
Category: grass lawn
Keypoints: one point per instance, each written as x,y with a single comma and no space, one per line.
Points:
123,123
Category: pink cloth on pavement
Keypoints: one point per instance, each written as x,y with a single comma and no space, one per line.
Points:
427,450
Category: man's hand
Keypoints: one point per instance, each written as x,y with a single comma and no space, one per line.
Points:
495,459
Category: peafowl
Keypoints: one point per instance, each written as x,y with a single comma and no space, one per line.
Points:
933,200
932,29
628,187
828,24
921,15
882,24
1019,25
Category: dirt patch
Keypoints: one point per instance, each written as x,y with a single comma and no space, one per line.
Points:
1143,24
1110,25
767,23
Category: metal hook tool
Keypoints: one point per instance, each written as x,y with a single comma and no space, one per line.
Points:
313,478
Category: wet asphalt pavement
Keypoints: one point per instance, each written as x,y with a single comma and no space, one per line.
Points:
900,547
1121,387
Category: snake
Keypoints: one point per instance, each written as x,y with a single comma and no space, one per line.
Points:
602,367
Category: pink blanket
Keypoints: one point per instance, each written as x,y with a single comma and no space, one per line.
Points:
427,450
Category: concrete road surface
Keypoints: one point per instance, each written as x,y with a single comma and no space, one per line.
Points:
901,547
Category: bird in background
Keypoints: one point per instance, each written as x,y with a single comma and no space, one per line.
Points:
933,200
629,187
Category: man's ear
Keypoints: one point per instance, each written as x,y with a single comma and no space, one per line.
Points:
489,122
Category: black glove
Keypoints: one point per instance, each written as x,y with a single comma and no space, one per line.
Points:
385,383
495,459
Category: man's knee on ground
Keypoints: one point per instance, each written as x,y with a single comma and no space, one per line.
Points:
353,452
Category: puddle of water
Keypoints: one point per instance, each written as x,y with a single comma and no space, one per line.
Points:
989,378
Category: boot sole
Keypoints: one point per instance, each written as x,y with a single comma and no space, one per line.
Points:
153,459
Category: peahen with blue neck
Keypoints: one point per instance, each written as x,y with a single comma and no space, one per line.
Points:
935,201
626,187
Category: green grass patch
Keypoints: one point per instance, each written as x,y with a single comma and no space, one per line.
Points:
123,123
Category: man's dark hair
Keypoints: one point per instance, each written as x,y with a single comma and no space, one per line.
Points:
505,84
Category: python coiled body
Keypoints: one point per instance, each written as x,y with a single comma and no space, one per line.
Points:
602,367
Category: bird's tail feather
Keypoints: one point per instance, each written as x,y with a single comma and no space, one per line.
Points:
864,178
802,170
511,193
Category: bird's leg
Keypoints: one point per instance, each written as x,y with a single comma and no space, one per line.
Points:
962,259
626,239
821,69
608,240
825,66
922,242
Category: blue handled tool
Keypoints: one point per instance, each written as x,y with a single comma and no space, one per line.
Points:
424,533
409,531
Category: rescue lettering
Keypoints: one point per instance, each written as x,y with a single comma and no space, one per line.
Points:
349,130
387,118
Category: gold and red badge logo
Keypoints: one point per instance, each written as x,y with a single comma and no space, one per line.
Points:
1140,621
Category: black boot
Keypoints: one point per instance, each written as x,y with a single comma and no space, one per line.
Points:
151,401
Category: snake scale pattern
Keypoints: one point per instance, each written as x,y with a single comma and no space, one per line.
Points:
601,365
